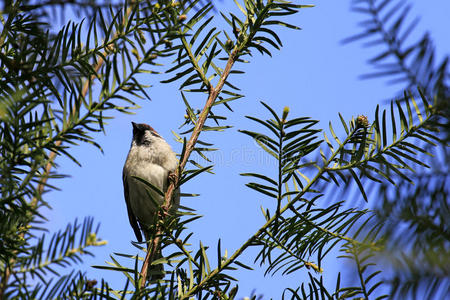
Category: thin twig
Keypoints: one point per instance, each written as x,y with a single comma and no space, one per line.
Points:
263,228
213,94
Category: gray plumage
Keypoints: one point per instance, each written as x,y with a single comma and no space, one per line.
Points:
152,159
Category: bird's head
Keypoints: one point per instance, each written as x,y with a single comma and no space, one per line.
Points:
144,134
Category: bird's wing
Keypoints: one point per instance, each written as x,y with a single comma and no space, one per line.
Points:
131,216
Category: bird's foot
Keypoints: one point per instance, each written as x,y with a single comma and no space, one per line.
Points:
172,177
163,212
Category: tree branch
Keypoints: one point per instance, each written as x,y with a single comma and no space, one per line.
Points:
213,94
263,229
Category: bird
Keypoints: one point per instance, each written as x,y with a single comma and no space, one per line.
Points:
152,159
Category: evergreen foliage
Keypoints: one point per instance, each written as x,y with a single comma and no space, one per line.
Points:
59,87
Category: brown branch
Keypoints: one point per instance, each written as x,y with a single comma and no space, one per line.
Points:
213,94
4,282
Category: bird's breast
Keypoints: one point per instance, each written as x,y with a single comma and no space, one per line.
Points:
139,193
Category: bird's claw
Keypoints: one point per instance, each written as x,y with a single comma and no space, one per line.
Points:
172,177
164,212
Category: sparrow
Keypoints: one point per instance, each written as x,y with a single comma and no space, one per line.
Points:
152,159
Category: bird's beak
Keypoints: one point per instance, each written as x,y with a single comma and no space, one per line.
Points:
134,125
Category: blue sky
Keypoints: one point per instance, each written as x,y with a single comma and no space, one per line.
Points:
314,74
